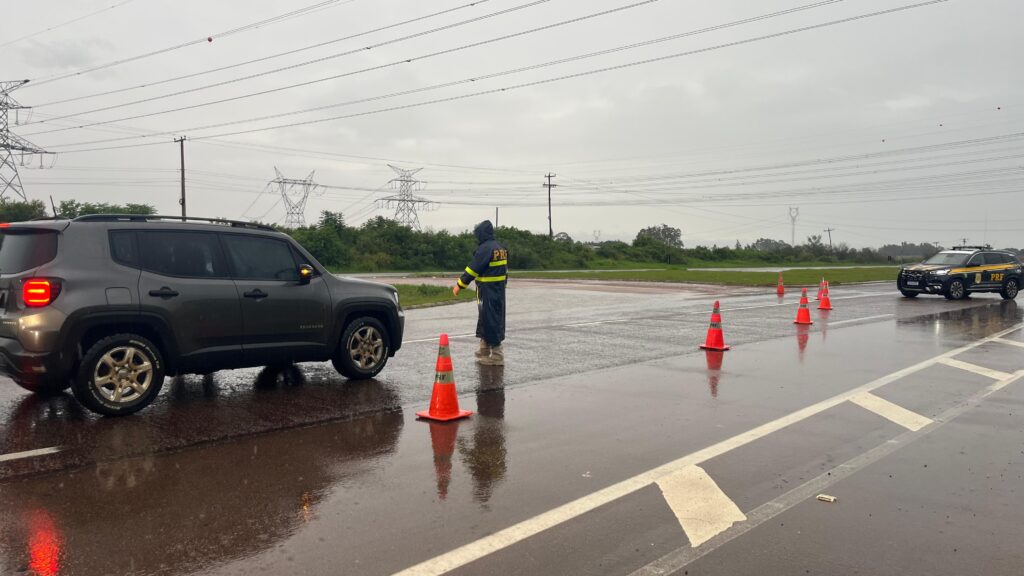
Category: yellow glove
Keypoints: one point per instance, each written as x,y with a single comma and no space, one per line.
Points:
455,290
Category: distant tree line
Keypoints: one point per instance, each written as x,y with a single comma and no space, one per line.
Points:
381,244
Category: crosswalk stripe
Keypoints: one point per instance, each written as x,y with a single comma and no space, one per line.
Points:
702,508
994,374
892,412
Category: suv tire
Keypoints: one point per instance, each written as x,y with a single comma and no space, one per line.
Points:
119,375
1010,289
908,293
955,290
363,349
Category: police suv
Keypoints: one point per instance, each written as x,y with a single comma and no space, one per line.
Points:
958,272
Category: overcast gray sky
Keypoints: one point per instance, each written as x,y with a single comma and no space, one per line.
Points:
906,126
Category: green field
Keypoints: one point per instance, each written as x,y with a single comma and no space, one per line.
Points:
791,277
418,295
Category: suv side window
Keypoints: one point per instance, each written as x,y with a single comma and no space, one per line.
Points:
256,258
181,253
993,258
977,260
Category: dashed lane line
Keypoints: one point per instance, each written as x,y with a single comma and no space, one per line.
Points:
516,533
702,508
993,374
892,412
28,454
679,558
852,320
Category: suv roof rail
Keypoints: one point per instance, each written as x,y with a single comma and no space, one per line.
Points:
157,218
965,247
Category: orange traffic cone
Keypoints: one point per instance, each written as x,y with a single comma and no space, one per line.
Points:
715,340
826,303
803,315
821,288
444,403
442,440
780,290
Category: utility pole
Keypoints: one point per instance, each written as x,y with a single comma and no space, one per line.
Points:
11,144
495,217
551,229
181,142
829,231
793,213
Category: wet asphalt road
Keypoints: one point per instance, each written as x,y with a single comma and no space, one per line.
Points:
301,472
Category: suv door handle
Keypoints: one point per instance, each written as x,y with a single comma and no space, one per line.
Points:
164,292
257,294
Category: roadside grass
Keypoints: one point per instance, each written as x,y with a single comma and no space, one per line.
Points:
790,277
419,295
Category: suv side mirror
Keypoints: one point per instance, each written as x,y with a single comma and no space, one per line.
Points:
306,273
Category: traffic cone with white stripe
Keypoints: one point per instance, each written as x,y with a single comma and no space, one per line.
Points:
821,288
780,290
826,303
715,340
444,402
803,315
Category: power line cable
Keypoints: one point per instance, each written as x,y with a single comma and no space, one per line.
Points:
65,23
206,39
336,76
525,84
263,58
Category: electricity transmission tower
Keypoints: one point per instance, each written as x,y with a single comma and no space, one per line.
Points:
405,203
793,213
294,192
11,145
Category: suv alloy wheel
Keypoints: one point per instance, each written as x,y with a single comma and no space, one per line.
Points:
363,350
119,375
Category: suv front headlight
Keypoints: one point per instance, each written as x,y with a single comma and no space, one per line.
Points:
940,272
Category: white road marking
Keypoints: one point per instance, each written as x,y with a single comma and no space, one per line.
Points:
502,539
892,412
830,324
1010,342
28,454
702,508
679,558
993,374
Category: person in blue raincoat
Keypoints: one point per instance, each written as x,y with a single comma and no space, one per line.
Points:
489,269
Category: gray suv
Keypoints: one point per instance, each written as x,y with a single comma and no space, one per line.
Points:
109,305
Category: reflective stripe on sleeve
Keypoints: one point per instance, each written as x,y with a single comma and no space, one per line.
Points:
462,284
471,272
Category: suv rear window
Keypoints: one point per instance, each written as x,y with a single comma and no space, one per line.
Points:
25,250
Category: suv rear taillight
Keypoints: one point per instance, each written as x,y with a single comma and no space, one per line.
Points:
39,292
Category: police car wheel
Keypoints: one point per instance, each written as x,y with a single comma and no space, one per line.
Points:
1010,289
908,293
956,290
